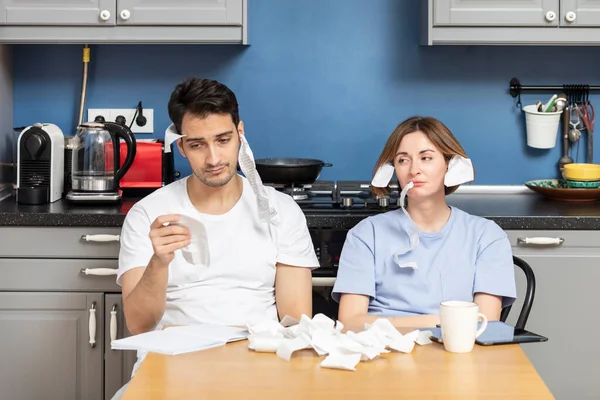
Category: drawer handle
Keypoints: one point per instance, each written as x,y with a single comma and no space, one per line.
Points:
542,241
100,238
113,323
99,271
92,325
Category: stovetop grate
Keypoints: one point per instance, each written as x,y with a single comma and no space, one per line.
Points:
340,197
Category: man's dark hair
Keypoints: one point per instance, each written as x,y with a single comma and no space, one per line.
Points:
202,97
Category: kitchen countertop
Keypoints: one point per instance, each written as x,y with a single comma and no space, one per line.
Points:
519,210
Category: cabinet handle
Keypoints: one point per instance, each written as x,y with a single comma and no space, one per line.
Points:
104,15
113,323
100,238
570,16
92,325
543,241
99,271
125,14
550,16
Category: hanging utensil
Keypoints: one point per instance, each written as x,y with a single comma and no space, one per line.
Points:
565,159
574,123
588,116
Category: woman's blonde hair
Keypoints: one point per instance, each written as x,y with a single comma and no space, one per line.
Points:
436,132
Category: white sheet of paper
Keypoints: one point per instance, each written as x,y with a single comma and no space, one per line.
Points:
403,345
267,328
288,321
197,252
341,361
268,344
424,338
215,332
288,346
343,350
167,341
323,341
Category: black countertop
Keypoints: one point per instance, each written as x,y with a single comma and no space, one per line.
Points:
510,211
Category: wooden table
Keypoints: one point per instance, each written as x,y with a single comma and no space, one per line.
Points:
234,372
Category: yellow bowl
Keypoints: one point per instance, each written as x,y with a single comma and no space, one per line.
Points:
582,172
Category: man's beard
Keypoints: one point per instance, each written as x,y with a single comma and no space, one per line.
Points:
217,181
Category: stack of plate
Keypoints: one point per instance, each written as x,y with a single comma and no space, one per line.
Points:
582,176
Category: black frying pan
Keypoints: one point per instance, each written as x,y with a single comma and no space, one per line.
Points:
288,171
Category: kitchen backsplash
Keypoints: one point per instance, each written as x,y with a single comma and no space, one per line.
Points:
323,79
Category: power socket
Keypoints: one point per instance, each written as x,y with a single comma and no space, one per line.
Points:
111,114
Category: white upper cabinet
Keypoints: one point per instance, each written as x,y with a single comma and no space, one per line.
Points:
57,12
514,22
123,21
496,12
578,13
180,12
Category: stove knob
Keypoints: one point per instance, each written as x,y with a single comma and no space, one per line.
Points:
384,202
347,201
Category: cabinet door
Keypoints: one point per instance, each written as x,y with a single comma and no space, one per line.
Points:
580,13
496,12
180,12
564,309
118,364
57,12
46,348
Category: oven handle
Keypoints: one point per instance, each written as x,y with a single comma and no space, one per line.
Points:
323,282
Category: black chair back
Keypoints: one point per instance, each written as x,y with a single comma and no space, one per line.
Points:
529,295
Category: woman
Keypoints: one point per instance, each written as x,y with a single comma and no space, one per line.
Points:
402,264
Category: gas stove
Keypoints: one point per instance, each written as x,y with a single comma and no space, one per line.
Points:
344,200
344,197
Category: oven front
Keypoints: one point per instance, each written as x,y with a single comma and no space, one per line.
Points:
328,243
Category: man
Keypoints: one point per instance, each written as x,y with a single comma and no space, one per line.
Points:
259,267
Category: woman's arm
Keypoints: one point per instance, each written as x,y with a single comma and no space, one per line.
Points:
353,313
494,285
489,305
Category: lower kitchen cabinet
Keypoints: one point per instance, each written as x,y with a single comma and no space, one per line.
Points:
565,309
57,346
45,347
55,298
118,364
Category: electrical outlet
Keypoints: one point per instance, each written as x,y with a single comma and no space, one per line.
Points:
98,112
111,114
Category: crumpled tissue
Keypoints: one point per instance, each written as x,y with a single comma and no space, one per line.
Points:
325,337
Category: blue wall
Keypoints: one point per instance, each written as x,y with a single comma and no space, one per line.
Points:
324,79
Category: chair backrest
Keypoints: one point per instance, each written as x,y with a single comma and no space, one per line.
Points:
529,295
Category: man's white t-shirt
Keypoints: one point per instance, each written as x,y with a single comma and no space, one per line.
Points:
238,287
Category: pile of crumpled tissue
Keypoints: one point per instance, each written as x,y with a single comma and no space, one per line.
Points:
343,350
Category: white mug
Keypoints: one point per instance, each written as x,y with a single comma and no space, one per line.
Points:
459,325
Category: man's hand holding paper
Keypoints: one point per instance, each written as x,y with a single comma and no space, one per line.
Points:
167,236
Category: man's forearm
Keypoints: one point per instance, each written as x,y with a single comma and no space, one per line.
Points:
293,291
302,305
356,323
145,305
